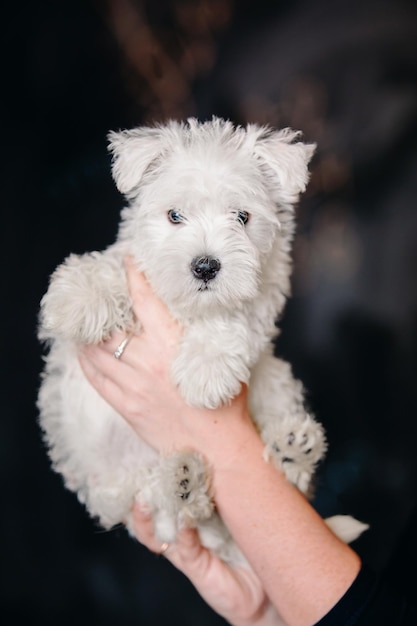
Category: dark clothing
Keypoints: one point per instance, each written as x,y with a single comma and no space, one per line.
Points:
370,601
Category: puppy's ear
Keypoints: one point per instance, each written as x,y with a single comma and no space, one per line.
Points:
285,161
133,151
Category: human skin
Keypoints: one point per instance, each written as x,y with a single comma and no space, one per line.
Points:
236,593
301,566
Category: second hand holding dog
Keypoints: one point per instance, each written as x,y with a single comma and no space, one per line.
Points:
302,567
235,593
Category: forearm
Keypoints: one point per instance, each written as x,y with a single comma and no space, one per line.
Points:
304,568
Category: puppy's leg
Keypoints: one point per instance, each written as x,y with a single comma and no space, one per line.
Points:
213,361
177,494
294,441
87,299
109,499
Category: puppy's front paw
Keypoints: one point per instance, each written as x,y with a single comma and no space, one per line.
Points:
207,383
87,299
296,446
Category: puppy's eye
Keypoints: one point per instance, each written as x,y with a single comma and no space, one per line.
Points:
242,217
175,217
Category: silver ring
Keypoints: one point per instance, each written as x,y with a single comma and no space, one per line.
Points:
164,547
121,347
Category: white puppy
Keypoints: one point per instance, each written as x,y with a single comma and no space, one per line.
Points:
210,221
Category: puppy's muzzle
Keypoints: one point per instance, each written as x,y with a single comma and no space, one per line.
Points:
205,268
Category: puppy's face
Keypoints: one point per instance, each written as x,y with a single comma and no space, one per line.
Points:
201,231
204,214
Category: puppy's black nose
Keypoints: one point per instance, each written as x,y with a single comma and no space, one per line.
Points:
205,267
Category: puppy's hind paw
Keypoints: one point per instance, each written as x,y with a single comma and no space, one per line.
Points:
176,492
296,446
192,489
186,482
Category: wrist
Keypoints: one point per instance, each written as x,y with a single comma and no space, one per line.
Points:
224,435
231,447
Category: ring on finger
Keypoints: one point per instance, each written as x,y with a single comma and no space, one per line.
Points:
121,347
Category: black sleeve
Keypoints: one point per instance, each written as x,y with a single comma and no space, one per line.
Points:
370,601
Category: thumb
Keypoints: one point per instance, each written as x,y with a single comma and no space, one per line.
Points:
149,309
189,555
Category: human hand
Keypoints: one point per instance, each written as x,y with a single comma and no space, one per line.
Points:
140,388
235,593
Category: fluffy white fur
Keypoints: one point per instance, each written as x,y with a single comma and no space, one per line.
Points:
211,175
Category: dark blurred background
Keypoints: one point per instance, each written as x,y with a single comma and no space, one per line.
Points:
343,71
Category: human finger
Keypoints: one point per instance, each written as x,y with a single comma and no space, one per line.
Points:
144,531
116,343
186,553
111,379
152,313
190,556
123,347
146,355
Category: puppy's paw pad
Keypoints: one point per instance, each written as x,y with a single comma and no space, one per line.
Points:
185,482
296,446
191,489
